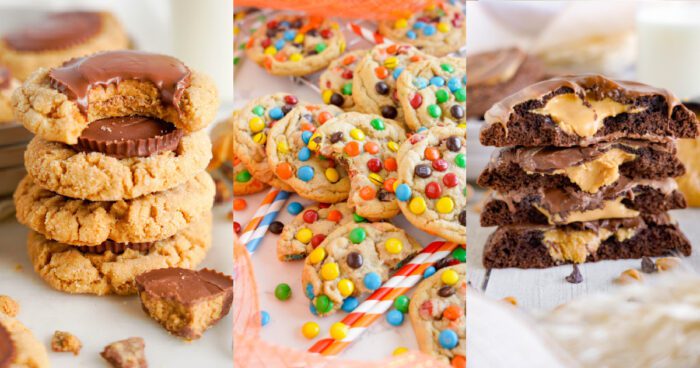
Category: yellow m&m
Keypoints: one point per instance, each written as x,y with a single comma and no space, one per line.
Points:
449,277
417,205
391,62
317,255
326,96
393,146
330,271
332,175
260,138
346,287
401,23
282,147
310,330
443,27
270,50
299,38
296,57
256,124
304,235
357,134
339,330
445,205
312,145
393,245
376,179
400,350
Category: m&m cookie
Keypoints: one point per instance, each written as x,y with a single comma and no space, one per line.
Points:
433,92
295,45
432,186
438,30
336,81
438,315
366,145
310,227
374,82
251,128
311,174
353,260
243,182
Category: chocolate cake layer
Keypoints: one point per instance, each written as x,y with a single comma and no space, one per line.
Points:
537,246
563,206
494,75
514,168
582,110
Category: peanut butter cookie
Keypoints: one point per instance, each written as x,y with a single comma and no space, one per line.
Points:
336,81
18,346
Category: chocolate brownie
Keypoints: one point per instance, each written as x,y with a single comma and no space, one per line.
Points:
562,206
583,110
494,75
590,167
541,246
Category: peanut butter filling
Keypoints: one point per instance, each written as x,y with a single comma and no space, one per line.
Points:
592,175
575,246
583,118
611,209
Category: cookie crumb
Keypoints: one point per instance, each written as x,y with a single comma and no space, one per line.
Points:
628,277
648,265
223,193
575,277
511,300
8,306
127,353
229,215
667,263
64,342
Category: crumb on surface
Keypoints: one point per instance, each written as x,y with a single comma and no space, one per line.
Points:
511,300
127,353
8,306
65,342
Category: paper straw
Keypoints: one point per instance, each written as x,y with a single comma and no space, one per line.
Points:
368,35
270,215
259,214
383,298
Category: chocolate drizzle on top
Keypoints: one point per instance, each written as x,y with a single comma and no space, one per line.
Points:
78,76
590,86
55,32
129,136
7,348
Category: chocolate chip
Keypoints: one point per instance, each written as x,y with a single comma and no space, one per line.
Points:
382,88
423,171
311,52
336,137
297,45
286,109
446,291
575,277
457,111
297,23
648,265
453,144
276,227
337,99
445,262
463,218
389,112
312,32
271,33
385,196
354,260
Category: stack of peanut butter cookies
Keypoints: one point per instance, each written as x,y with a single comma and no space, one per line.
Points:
116,182
585,173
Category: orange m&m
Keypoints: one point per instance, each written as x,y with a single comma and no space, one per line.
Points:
367,193
352,149
284,170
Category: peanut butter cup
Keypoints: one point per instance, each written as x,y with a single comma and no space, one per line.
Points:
129,136
114,247
55,31
78,76
7,348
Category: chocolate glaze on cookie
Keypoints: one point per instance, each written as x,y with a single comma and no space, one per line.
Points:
55,32
129,136
7,348
78,76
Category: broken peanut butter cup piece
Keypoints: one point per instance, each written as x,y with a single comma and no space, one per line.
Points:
129,136
185,302
55,31
78,76
114,247
7,348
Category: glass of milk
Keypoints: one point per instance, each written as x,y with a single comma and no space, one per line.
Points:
669,47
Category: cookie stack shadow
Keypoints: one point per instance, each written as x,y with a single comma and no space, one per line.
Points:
584,173
116,182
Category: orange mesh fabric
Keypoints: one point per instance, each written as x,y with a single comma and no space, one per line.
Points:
361,9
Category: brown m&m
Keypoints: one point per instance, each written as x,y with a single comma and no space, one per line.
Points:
55,32
129,136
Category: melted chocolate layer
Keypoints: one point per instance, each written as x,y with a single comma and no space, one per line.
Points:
55,32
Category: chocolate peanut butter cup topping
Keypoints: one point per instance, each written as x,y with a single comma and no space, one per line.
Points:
114,247
129,136
55,31
7,348
78,76
186,286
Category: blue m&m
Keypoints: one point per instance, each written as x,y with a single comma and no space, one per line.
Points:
394,317
372,281
276,113
304,154
306,136
403,192
437,81
264,318
454,84
295,208
429,30
448,339
349,304
305,173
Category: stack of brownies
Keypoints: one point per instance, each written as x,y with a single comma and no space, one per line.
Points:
585,173
116,183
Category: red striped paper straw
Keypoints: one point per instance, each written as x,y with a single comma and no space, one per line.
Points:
383,298
368,35
259,215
